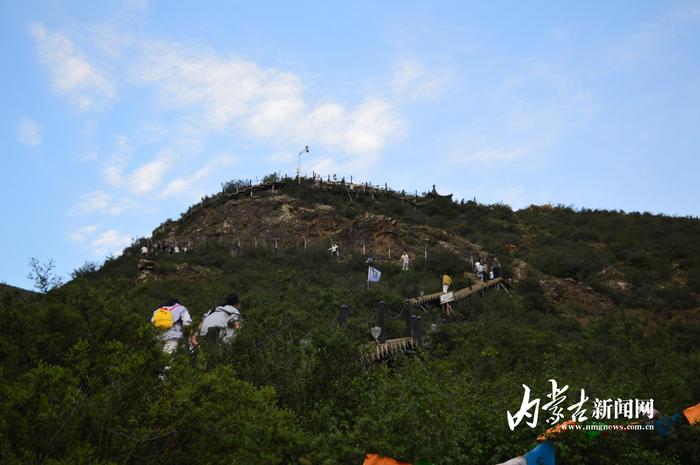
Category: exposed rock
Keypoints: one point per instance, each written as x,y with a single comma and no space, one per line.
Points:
614,279
145,264
568,292
271,216
521,270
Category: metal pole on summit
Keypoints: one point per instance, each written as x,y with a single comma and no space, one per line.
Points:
306,150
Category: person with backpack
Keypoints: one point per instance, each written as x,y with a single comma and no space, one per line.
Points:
221,322
170,319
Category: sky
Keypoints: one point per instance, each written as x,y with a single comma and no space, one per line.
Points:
117,115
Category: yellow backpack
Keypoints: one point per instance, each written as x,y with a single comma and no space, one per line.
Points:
163,319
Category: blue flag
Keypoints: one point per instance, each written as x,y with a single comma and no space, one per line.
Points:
664,425
541,455
373,275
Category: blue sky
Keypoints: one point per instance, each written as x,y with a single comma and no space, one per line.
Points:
118,115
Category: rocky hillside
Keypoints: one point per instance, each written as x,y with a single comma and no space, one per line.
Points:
588,260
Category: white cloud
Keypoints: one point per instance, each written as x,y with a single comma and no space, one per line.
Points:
101,242
150,175
29,132
82,234
188,185
71,74
114,171
110,40
282,157
524,116
410,79
109,242
140,180
89,155
138,5
267,104
102,202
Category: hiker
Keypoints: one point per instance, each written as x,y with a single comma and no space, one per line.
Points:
369,261
479,268
220,322
334,250
171,318
496,267
404,262
144,250
446,282
468,280
485,273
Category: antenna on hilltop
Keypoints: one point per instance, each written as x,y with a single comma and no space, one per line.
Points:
306,150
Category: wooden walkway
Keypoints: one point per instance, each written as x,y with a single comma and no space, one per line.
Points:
460,294
391,347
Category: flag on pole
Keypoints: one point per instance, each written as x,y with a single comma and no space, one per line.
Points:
373,275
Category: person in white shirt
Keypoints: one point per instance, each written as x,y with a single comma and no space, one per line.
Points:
221,322
479,270
334,250
404,261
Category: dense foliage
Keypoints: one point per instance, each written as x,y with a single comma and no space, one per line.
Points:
84,380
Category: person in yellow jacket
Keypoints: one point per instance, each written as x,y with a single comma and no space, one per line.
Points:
446,282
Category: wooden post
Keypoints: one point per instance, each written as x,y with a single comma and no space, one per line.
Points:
304,243
409,321
343,315
389,251
382,324
275,244
425,252
364,251
256,241
417,336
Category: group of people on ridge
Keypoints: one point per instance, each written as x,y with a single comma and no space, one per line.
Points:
218,324
481,268
150,248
